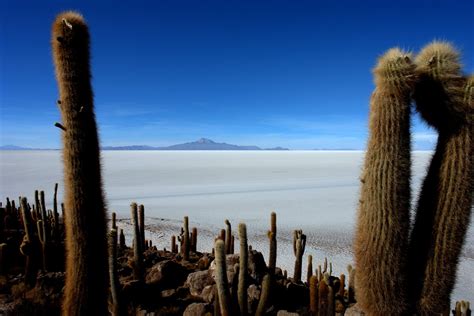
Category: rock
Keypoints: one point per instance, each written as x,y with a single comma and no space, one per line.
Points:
166,274
196,309
253,296
208,293
168,293
354,310
197,281
231,261
257,265
285,313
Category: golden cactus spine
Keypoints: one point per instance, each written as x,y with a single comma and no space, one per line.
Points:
381,237
444,99
86,242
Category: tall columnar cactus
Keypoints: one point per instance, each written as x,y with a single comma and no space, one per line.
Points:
137,244
113,276
186,242
273,244
194,239
228,237
122,240
221,279
309,273
243,268
313,295
86,240
114,221
174,246
381,236
264,301
29,247
299,244
444,99
141,224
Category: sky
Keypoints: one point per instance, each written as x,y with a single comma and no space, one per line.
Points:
295,74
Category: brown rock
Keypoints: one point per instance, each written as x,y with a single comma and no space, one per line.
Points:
197,281
196,309
167,274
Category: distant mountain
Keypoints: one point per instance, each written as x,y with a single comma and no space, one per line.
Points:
200,144
14,147
133,147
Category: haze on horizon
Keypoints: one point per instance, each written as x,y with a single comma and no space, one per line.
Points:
280,73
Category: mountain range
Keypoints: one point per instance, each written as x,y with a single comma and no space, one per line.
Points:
200,144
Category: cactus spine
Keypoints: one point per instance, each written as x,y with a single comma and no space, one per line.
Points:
445,100
137,244
381,236
221,279
86,241
273,244
299,244
243,267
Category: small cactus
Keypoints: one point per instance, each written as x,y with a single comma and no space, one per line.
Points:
273,243
141,222
309,273
313,295
221,279
243,267
299,244
137,244
113,276
264,296
228,237
186,243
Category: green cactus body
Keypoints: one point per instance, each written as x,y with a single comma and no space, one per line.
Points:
299,244
221,279
273,243
444,99
381,237
137,244
86,242
243,268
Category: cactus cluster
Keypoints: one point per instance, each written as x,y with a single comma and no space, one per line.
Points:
389,255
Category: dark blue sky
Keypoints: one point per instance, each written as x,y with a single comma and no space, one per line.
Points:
267,73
